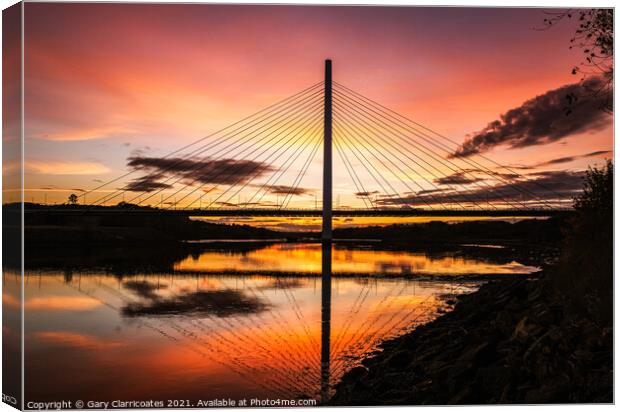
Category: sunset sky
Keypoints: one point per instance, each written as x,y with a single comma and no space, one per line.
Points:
107,83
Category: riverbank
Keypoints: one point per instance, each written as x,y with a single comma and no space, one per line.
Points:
511,342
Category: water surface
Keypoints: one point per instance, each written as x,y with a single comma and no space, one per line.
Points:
228,323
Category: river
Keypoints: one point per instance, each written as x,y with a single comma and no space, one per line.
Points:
230,322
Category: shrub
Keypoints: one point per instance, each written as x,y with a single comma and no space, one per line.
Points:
586,269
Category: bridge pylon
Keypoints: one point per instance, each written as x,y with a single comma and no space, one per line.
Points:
326,234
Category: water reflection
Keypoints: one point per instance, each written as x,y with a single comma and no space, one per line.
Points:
326,313
199,334
218,302
303,258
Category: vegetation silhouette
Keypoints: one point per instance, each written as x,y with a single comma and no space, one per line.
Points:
585,273
594,36
548,339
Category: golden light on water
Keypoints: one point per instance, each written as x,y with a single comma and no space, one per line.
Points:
306,259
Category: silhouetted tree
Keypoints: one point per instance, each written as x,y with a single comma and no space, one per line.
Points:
73,199
595,37
586,270
597,196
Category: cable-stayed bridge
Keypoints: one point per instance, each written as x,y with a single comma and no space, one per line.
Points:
273,212
259,166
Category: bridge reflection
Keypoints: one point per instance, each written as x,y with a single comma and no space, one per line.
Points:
218,334
326,309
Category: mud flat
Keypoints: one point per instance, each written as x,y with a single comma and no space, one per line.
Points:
512,341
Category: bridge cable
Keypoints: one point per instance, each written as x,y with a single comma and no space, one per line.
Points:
299,136
480,168
410,190
449,151
365,195
391,169
285,167
310,106
300,176
308,121
304,109
442,161
208,146
471,162
350,116
236,124
311,143
401,148
307,115
338,135
356,146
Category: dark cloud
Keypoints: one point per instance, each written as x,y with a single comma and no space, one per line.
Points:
431,191
208,190
510,175
558,161
541,120
541,186
457,178
469,176
285,190
561,160
244,204
200,171
366,194
226,204
597,153
139,151
569,159
147,183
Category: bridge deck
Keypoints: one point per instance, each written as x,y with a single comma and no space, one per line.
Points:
309,212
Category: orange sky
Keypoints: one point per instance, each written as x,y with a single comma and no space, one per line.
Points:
105,80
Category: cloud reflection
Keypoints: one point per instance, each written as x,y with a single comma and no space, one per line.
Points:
220,303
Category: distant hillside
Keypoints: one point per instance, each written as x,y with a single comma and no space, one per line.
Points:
161,227
42,227
548,230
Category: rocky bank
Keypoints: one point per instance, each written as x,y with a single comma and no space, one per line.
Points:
510,342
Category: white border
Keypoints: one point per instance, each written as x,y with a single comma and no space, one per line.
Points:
479,3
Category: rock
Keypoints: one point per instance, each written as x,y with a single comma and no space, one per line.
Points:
401,359
524,330
509,342
355,374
